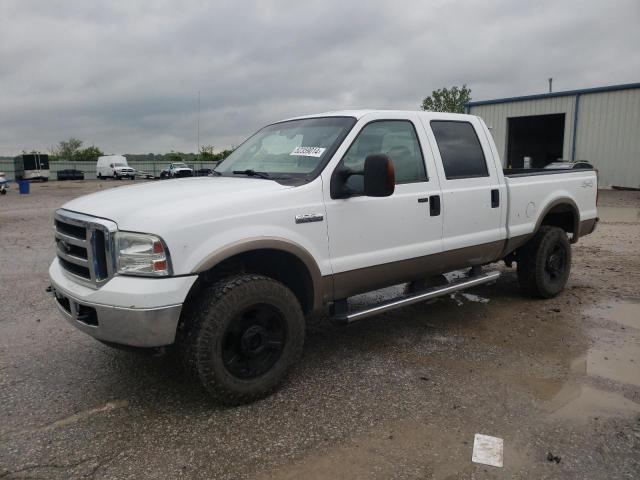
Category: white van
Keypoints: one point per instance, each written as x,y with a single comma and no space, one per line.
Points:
115,166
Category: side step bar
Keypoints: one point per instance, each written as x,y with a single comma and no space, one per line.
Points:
348,317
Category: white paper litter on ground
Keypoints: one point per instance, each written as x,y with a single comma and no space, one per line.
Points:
475,298
487,450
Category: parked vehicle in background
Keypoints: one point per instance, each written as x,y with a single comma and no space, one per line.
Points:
203,172
70,174
568,165
144,174
32,166
176,170
3,184
304,215
114,166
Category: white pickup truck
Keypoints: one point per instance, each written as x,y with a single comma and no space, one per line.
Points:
305,214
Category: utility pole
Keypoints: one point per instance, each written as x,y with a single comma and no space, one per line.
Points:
198,128
550,85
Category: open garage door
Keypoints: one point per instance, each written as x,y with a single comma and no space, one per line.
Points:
540,137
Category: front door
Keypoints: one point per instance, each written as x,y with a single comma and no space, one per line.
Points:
372,241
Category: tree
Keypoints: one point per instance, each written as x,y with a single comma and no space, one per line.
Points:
89,154
207,152
448,100
175,157
67,149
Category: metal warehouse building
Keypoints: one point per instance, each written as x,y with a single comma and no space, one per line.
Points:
600,125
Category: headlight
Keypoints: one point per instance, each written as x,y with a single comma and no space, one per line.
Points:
141,254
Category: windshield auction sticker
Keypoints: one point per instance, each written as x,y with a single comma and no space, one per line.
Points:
308,151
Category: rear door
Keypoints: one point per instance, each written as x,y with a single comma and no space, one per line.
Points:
472,194
373,241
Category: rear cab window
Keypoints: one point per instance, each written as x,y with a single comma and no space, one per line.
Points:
460,149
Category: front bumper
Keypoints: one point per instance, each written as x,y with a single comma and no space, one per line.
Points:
140,312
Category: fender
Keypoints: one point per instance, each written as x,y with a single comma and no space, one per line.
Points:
322,285
514,242
574,210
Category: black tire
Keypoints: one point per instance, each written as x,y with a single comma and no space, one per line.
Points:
241,336
544,263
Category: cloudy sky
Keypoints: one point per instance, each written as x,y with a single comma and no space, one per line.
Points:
125,75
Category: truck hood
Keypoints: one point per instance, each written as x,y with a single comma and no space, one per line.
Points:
147,206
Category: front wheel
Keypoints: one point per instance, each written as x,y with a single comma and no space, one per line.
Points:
544,263
241,336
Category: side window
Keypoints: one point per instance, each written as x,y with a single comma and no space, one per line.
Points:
395,138
460,149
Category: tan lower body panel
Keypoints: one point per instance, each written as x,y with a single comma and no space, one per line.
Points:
353,282
587,226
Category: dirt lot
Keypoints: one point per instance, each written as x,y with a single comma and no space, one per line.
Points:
397,396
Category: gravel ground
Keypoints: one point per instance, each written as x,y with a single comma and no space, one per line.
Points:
397,396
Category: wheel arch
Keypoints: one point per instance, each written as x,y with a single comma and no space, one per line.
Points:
562,213
281,259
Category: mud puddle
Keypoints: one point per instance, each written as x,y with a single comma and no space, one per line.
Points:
619,214
614,354
581,403
625,312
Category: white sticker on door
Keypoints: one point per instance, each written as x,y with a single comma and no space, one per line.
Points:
308,151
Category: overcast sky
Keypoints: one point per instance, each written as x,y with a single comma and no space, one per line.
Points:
125,75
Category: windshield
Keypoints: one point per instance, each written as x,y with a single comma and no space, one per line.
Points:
180,165
288,149
120,165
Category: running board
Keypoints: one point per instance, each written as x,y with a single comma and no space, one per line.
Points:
348,317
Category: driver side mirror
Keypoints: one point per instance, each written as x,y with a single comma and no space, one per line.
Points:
378,178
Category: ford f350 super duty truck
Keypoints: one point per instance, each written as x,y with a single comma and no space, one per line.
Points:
305,214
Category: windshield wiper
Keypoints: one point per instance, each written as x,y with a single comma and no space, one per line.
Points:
252,173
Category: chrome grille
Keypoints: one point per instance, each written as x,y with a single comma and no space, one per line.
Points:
84,246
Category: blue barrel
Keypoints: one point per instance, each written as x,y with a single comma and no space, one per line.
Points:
23,186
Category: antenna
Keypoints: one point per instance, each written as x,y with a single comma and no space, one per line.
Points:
198,128
550,85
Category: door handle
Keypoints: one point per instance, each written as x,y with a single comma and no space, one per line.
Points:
423,200
495,198
434,205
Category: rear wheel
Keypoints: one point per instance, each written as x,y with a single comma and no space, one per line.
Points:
241,337
544,263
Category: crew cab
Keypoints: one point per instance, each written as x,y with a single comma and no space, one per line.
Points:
305,214
176,170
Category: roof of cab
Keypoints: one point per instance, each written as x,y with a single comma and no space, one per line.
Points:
358,114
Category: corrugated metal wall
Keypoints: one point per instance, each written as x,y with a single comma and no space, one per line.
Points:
608,133
609,136
495,116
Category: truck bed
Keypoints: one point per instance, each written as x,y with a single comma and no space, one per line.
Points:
531,192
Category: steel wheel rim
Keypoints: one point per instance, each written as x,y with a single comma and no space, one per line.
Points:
556,262
253,341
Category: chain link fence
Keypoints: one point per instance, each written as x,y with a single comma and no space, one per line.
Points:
89,168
